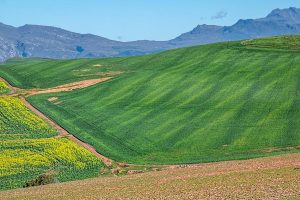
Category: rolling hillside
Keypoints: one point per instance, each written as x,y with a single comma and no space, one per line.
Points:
222,101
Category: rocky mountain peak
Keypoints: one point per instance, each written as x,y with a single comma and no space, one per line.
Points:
291,15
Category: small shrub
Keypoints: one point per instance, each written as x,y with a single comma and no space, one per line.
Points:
43,179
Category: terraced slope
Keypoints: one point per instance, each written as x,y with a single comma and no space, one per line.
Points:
207,103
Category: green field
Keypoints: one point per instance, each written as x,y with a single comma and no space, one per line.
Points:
291,42
43,73
200,104
27,151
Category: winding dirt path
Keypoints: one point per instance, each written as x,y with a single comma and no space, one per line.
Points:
63,88
62,132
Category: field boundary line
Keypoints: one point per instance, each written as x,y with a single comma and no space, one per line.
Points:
61,131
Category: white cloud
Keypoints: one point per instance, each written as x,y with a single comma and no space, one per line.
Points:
220,15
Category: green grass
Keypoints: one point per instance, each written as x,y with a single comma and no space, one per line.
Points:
201,104
291,42
44,73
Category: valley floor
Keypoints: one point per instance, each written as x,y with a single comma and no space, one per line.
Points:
275,177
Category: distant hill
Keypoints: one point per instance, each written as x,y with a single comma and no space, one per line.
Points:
278,22
52,42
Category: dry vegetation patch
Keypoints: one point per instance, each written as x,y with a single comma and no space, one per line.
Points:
67,87
97,65
51,99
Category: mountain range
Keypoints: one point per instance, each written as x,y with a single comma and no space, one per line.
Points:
57,43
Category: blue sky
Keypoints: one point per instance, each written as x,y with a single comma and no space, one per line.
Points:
135,19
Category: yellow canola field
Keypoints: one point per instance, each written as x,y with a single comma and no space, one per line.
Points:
17,121
29,150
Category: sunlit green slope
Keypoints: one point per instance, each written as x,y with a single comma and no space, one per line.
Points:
206,103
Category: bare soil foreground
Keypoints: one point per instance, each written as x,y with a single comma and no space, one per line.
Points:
275,177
